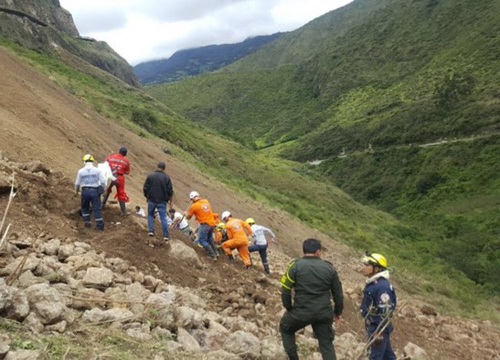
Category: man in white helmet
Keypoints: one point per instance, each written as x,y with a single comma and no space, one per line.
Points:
207,220
237,232
90,181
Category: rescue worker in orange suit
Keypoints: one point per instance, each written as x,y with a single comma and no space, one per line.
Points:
238,232
202,211
120,166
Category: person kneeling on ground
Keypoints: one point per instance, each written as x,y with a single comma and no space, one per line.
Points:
180,222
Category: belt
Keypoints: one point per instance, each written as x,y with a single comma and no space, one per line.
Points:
89,187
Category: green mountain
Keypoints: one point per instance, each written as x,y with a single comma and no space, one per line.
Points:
397,100
192,62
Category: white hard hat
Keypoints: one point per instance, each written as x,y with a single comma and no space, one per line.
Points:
225,215
193,194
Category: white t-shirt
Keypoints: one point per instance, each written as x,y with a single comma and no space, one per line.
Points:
140,213
183,221
259,234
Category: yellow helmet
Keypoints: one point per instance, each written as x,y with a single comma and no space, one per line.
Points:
376,260
221,226
87,158
250,221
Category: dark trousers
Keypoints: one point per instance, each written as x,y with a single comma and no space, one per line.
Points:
382,350
90,196
291,322
262,249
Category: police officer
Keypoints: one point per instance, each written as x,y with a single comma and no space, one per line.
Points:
90,181
314,282
377,307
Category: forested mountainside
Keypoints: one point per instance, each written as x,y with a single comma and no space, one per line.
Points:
395,101
192,62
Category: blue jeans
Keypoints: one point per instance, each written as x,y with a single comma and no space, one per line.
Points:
206,239
91,196
162,212
262,249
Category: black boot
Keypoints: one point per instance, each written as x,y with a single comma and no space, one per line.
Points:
123,208
104,199
210,252
266,268
100,225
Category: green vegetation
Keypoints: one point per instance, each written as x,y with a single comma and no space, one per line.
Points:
377,81
95,340
193,62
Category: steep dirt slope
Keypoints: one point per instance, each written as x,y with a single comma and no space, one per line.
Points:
40,121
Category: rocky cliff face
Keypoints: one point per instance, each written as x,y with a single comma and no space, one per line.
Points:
46,26
48,11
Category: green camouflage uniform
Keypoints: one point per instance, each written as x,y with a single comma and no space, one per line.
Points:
314,282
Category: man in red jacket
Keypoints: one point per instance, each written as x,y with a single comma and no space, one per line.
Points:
120,166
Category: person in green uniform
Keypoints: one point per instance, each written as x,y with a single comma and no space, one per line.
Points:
314,282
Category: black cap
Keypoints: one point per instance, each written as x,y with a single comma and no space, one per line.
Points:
123,151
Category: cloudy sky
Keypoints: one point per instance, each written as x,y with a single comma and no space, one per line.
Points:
141,30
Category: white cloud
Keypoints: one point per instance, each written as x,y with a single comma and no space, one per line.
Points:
154,29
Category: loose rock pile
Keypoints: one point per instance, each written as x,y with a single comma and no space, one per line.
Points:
60,284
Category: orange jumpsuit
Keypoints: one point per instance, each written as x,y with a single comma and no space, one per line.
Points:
238,239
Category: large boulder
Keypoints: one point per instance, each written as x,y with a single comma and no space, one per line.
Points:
46,302
245,344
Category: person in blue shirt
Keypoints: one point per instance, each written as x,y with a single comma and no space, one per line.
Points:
377,307
90,181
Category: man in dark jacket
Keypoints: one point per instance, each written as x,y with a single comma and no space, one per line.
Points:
314,282
158,192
